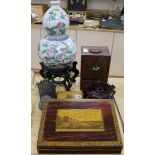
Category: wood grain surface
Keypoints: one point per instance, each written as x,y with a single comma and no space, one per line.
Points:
107,141
50,123
89,61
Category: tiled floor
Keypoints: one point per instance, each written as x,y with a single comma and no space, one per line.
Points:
36,113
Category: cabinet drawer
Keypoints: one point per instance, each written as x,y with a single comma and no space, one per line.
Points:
95,68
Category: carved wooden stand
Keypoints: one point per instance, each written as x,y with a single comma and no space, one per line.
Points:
63,73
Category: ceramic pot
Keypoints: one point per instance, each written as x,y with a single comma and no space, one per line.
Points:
57,51
56,21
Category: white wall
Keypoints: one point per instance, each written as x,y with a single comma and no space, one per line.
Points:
92,4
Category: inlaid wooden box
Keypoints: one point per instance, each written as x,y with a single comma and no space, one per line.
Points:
95,66
79,126
69,94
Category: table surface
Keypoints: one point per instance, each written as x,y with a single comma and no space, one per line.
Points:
36,113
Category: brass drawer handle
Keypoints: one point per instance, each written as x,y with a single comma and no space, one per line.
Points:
96,68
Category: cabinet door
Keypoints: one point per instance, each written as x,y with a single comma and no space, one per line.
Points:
35,38
43,32
92,38
117,59
72,34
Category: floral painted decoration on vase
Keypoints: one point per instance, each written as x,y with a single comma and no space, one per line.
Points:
57,53
56,21
56,49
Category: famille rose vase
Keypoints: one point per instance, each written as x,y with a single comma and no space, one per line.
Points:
56,49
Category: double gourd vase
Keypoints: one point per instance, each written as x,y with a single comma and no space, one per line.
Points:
56,49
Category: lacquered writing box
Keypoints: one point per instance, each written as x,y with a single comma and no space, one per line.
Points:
79,126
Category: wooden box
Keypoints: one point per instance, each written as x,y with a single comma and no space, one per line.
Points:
79,126
95,66
69,94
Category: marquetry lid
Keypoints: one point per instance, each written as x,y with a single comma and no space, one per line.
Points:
79,123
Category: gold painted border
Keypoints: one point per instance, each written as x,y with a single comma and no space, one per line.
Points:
42,143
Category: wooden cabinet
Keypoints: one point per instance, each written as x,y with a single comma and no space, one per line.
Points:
35,39
117,58
94,67
92,38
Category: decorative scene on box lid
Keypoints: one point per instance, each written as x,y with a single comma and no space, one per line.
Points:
79,120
